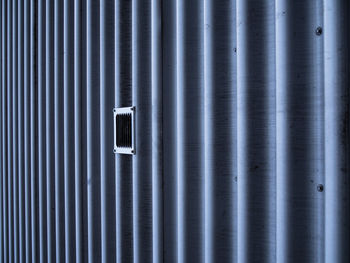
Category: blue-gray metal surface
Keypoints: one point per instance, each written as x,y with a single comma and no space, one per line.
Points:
337,119
242,131
256,131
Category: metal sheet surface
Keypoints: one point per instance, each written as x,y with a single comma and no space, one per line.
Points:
241,131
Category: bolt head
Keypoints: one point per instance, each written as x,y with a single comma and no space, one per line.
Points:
320,187
319,31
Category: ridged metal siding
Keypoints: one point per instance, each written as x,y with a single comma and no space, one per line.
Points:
242,131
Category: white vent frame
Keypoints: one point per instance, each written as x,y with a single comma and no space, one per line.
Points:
124,150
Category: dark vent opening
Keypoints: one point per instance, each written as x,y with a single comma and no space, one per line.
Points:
124,130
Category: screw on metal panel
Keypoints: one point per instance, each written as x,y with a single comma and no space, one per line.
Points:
319,31
132,151
320,187
114,110
114,150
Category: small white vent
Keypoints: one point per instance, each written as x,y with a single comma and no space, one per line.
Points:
124,132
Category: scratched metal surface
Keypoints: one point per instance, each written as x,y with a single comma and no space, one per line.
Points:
242,131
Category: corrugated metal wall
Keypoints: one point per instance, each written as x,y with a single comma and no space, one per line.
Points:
242,131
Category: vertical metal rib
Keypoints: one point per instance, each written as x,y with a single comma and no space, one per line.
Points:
256,130
157,130
169,131
106,131
190,135
34,130
123,163
50,142
84,118
142,161
26,98
41,132
9,173
220,131
93,131
15,130
2,153
4,131
78,131
300,160
1,142
68,119
21,171
337,163
59,130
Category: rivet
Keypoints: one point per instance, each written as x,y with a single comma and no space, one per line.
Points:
319,31
114,150
320,188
